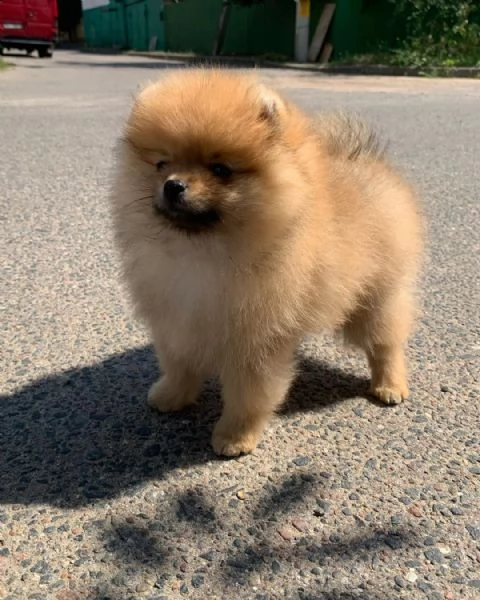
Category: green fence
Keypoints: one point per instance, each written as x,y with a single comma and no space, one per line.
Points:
269,28
135,24
262,29
361,26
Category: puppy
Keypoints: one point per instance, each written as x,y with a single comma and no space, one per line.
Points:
243,225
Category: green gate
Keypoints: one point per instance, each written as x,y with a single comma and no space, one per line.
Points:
136,16
125,24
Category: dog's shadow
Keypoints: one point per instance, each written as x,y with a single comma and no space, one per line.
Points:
86,434
319,384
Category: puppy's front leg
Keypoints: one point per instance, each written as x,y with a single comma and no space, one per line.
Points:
251,395
177,388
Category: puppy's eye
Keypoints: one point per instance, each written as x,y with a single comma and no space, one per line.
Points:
221,171
161,165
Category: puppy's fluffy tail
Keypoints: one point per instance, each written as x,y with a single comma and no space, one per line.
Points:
347,136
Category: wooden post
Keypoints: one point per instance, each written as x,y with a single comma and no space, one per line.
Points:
321,31
222,28
326,53
302,24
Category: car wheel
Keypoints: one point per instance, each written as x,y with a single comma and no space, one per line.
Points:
45,52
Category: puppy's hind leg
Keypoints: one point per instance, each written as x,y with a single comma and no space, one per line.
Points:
382,330
251,395
389,373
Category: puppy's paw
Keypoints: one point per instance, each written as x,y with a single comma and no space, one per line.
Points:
162,397
234,442
390,394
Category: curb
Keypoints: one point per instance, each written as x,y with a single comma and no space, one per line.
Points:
249,61
387,70
191,58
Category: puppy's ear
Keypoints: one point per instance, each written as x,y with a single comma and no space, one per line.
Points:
271,105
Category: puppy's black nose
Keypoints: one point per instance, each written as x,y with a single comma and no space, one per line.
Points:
174,189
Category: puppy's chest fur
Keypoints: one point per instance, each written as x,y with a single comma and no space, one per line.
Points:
187,304
203,308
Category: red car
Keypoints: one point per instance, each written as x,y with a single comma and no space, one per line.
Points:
29,25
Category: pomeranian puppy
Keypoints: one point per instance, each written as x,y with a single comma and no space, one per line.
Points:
243,225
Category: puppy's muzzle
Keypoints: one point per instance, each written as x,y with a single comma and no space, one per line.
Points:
173,203
174,192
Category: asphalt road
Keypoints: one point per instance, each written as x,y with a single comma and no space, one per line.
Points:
343,499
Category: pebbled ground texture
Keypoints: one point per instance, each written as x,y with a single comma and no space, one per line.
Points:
344,499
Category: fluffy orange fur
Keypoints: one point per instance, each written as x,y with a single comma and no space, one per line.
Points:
314,230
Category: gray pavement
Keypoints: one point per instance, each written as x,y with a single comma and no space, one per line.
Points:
344,499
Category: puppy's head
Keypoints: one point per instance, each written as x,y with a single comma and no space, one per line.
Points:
210,146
